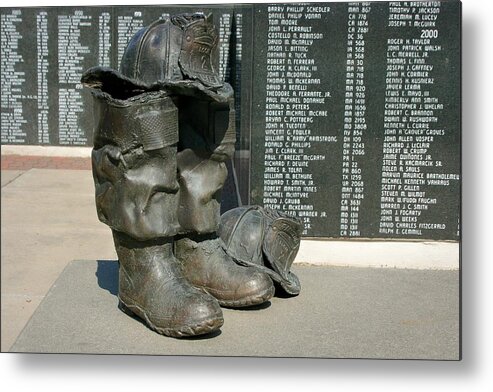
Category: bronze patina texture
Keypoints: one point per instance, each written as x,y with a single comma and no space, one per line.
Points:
207,265
152,287
264,239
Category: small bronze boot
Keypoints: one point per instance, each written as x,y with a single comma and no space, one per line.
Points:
206,265
152,287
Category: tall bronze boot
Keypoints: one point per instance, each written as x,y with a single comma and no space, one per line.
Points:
135,177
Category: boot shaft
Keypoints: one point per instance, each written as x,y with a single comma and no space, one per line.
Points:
142,262
134,160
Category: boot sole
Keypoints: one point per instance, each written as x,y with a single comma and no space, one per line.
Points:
253,300
202,328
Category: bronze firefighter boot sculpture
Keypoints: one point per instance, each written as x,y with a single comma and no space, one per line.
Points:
164,128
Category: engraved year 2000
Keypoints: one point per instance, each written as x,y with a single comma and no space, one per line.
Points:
429,33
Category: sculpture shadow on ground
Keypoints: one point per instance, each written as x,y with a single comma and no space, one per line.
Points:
107,275
261,306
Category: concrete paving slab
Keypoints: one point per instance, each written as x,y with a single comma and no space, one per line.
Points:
60,209
34,268
340,313
8,176
55,180
48,218
17,309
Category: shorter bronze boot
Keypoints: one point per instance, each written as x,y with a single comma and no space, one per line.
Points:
206,265
152,287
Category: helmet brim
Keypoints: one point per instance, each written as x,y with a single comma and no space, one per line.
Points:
121,87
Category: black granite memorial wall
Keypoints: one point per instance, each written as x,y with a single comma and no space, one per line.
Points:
44,52
348,113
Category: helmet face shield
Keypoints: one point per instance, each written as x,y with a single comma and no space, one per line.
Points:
281,243
199,56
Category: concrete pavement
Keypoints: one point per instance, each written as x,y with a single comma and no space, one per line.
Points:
48,219
342,312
